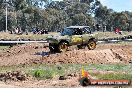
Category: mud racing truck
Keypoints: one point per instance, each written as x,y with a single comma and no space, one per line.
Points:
73,35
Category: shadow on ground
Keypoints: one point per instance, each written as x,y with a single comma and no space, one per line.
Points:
43,53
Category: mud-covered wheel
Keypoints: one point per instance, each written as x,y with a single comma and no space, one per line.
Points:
63,46
84,82
91,44
53,48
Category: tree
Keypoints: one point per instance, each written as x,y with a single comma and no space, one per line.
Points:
104,16
82,19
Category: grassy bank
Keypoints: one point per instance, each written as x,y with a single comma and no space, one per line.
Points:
102,35
7,36
99,35
100,71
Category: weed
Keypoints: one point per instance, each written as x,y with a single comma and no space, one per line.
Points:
43,74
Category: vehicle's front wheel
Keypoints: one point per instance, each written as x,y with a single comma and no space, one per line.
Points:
91,44
63,46
53,48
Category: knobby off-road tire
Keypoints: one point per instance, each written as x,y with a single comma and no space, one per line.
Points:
91,44
53,48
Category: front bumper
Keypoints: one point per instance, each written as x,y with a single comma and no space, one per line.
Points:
54,41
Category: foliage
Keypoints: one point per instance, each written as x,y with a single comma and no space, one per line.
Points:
47,73
43,74
55,15
42,71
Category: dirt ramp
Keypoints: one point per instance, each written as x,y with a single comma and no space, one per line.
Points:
103,54
124,55
92,56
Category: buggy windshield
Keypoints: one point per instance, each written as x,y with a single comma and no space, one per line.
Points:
67,31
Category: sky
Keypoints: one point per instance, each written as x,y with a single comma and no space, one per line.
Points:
118,5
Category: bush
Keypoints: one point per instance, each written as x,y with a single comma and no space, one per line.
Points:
44,74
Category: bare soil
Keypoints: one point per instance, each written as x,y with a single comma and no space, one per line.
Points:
34,53
29,54
71,81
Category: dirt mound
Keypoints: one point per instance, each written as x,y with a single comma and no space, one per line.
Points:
20,49
20,54
36,53
92,56
66,81
14,76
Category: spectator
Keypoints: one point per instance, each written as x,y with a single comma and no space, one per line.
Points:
98,27
42,31
46,31
117,30
26,31
17,30
35,30
104,28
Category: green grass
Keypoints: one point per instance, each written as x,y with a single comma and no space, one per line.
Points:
46,73
3,48
115,76
98,35
111,67
43,71
102,35
5,36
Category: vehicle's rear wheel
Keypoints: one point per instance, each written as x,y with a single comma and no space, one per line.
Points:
63,46
91,44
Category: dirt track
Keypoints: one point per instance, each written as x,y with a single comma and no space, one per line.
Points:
104,53
26,54
47,84
70,82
